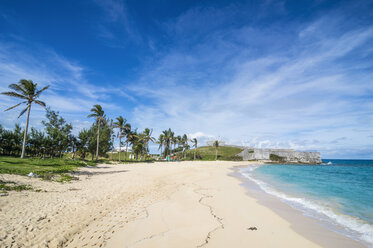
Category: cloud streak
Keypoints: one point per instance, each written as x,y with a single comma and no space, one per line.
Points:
290,97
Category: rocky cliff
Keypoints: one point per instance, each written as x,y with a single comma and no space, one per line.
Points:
280,155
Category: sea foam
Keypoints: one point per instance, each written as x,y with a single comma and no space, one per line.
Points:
353,227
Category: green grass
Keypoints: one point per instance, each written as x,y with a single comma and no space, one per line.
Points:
49,169
208,153
9,185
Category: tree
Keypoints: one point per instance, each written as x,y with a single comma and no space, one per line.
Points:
99,114
216,145
82,144
147,137
160,141
133,138
168,134
120,123
11,141
58,131
194,141
111,125
184,143
27,91
127,131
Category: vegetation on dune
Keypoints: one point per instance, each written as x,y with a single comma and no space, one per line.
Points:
9,186
208,153
55,168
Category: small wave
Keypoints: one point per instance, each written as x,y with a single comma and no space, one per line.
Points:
355,226
329,162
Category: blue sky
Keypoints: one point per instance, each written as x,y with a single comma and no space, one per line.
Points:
287,74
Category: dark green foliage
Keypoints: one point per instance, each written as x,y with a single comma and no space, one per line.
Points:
59,132
11,141
54,142
82,144
276,158
104,142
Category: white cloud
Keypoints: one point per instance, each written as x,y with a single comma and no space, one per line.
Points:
305,91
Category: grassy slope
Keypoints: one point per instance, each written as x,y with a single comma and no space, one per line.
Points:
208,153
45,168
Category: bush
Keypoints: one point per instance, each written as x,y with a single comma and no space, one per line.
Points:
276,158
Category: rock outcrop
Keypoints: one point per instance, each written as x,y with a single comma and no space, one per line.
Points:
280,155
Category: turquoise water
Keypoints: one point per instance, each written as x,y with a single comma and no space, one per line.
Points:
340,192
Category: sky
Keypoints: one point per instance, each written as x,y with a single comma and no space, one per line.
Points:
267,74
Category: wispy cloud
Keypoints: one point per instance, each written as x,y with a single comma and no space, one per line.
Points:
116,27
70,92
311,87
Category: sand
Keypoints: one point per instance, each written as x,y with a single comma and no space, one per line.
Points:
174,204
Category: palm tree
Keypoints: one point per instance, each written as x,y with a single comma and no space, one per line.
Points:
134,139
111,127
120,123
160,141
127,131
195,147
148,137
167,141
184,143
216,145
99,114
27,91
172,139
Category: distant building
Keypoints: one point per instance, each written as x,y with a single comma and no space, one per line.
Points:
123,149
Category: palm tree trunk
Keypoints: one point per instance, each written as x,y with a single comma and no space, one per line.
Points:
125,155
195,153
216,153
98,138
120,146
25,133
112,147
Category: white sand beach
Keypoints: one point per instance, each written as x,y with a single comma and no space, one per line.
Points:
180,204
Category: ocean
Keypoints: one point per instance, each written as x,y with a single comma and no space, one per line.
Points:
339,193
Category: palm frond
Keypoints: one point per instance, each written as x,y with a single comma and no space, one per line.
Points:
29,86
41,103
14,106
18,88
40,91
23,111
14,94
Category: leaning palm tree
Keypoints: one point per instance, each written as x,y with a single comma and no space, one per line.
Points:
160,141
111,127
184,143
195,147
216,145
99,114
27,91
120,123
127,132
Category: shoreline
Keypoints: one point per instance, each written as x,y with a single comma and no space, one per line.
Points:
165,204
308,227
